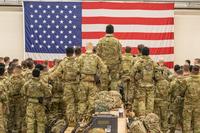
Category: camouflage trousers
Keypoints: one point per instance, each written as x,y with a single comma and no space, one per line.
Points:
191,115
15,118
175,116
70,99
2,119
161,109
35,118
145,100
87,96
114,76
128,91
56,107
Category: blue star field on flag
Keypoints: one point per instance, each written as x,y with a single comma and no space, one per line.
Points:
51,27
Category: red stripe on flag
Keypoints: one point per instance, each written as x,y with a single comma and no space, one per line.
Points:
51,64
123,20
128,6
169,64
130,35
154,51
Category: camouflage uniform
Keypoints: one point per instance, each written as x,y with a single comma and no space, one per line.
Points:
90,64
109,50
142,74
127,63
161,99
191,111
27,73
166,73
69,69
176,98
3,106
16,107
56,107
36,91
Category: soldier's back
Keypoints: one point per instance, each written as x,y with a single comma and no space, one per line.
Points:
109,49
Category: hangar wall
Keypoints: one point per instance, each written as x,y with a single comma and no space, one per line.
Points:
187,33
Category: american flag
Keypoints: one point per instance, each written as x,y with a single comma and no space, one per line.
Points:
50,27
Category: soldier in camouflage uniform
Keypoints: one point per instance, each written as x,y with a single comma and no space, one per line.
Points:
109,50
161,98
191,111
16,108
56,107
176,98
166,72
28,72
133,85
3,101
142,74
36,91
69,69
90,64
127,63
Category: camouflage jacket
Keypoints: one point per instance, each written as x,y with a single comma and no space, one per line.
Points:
177,89
109,50
35,88
91,65
127,63
17,82
68,70
192,92
142,73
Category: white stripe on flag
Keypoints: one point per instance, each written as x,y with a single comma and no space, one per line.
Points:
134,43
127,13
52,56
129,28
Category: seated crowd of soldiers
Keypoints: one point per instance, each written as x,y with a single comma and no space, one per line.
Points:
33,95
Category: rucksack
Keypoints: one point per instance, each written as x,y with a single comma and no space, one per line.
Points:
147,70
89,64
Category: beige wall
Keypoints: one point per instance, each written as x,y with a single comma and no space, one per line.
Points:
187,33
11,32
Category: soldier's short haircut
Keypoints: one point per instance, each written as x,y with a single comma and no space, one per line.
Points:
179,72
197,60
2,69
195,69
18,67
69,51
94,49
109,29
177,67
40,67
36,72
191,66
188,61
145,51
78,51
24,64
140,47
6,59
15,60
30,64
128,49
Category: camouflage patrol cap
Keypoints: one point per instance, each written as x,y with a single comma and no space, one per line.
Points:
97,130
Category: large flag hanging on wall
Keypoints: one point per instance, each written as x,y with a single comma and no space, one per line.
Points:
50,27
